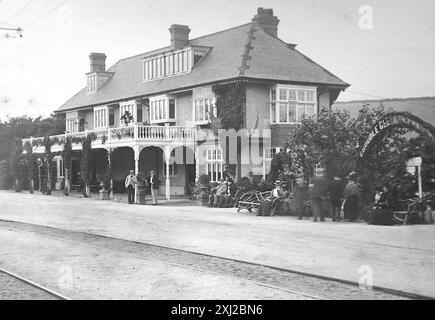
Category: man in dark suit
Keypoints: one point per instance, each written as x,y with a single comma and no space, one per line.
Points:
319,195
335,189
130,185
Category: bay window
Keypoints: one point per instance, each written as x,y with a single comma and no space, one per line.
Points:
288,104
72,125
203,109
101,117
162,109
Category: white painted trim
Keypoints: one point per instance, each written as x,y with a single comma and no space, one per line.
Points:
277,102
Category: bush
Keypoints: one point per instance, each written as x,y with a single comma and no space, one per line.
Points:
5,182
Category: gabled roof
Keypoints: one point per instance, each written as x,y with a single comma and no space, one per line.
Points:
242,51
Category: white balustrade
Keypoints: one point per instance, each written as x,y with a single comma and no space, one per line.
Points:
135,132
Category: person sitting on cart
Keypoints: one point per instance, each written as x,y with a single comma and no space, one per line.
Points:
265,208
229,195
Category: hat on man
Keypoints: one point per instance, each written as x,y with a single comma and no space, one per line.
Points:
351,175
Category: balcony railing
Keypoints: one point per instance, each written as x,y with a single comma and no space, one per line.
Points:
125,134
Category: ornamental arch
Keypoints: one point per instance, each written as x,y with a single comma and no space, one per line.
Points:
394,120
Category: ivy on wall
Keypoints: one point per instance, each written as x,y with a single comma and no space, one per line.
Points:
67,154
230,104
86,159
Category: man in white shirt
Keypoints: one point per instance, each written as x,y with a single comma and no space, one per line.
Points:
130,185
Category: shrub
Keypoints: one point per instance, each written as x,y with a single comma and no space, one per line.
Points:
4,175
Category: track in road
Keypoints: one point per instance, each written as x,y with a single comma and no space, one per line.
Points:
28,289
306,285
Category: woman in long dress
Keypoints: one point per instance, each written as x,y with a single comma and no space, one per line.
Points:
351,196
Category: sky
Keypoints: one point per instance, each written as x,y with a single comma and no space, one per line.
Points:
388,56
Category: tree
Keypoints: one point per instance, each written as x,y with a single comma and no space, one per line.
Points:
18,165
67,152
326,139
4,175
29,158
332,139
25,127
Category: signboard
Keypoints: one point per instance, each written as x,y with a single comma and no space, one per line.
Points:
399,119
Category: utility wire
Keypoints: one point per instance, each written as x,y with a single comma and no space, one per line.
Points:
46,14
19,10
11,25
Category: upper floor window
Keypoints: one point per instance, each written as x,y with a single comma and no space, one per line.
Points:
167,64
125,107
100,117
288,104
72,125
92,83
162,109
204,109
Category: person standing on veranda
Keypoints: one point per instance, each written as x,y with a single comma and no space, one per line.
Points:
130,185
154,185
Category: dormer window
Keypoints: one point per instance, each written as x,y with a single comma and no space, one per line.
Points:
162,109
169,64
92,83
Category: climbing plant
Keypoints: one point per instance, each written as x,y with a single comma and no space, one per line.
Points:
230,103
47,143
67,152
86,159
30,163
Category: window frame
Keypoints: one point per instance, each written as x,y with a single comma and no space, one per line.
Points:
268,154
159,109
215,163
92,83
200,102
167,65
284,96
101,117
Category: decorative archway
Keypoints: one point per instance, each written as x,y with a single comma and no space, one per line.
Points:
394,120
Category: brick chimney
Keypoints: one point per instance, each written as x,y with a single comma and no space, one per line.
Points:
179,36
264,19
98,62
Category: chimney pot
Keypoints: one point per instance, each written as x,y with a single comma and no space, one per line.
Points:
98,62
179,36
264,19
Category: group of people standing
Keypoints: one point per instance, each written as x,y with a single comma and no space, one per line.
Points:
340,197
131,183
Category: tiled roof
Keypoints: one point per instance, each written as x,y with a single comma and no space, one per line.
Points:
239,51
